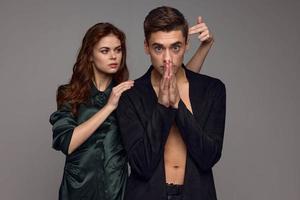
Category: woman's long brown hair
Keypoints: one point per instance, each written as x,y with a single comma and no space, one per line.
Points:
77,91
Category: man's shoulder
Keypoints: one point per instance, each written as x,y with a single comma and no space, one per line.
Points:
205,81
142,88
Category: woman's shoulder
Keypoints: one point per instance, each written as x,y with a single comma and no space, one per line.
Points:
63,88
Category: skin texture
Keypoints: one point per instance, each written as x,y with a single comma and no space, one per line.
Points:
106,60
206,38
107,55
166,51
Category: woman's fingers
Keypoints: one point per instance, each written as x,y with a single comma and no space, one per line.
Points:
125,84
199,28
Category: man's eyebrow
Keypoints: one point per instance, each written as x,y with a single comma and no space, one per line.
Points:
172,45
176,44
157,44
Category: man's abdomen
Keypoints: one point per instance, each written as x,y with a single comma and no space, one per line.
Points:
175,157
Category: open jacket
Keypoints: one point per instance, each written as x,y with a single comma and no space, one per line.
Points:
145,125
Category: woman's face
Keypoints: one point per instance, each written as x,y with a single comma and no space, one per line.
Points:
107,55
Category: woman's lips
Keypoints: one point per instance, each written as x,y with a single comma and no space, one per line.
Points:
113,65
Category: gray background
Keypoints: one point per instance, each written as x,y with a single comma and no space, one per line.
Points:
256,54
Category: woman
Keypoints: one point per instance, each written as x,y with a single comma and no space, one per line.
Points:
84,126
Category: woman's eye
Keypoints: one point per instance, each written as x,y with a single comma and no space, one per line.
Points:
118,50
104,51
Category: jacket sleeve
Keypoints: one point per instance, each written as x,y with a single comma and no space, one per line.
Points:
204,141
63,125
144,140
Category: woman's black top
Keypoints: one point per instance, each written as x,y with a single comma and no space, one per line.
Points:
96,170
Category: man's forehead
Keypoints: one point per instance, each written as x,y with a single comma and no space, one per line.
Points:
166,38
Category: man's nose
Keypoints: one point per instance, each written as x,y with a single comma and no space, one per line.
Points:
167,56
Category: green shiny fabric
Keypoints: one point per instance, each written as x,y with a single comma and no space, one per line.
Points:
97,170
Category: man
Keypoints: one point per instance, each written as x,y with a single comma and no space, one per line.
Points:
172,120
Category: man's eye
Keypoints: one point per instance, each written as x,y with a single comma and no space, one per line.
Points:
157,49
176,48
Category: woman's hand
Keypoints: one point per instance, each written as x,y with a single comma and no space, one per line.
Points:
205,36
206,41
117,92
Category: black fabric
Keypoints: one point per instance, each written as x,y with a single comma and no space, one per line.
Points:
174,192
145,125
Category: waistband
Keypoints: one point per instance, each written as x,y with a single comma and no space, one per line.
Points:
173,189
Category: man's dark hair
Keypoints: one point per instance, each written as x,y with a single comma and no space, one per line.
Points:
165,19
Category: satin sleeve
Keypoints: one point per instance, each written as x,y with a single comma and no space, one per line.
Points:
63,124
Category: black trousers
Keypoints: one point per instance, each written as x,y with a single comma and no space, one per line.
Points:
174,192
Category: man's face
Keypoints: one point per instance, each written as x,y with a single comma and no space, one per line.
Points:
166,46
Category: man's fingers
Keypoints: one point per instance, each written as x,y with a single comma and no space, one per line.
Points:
171,68
163,83
172,83
168,66
165,73
167,83
172,76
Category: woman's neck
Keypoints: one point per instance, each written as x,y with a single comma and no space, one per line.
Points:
102,81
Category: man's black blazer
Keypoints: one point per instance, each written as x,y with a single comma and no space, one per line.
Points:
145,125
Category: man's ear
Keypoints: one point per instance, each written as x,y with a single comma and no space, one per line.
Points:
146,47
